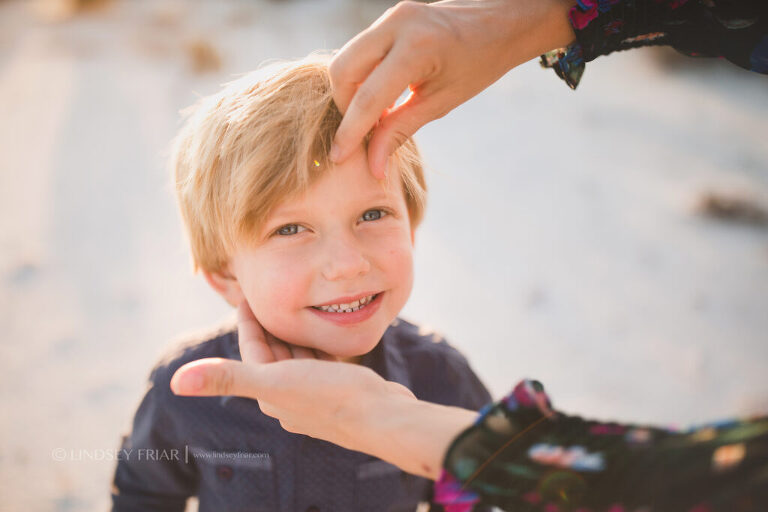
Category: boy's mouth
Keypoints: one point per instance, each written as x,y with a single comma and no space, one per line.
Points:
349,311
348,307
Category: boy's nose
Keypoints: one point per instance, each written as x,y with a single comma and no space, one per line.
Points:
344,260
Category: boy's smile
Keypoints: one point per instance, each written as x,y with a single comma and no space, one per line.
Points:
332,267
350,310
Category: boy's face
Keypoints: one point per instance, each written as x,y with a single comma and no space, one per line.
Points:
346,244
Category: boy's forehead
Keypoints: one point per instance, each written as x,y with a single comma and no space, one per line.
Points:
340,186
351,194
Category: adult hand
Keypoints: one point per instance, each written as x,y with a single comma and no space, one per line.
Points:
342,403
445,53
320,398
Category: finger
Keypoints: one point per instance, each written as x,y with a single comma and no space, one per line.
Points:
380,90
279,349
396,127
355,61
251,337
325,356
281,415
216,376
302,352
269,409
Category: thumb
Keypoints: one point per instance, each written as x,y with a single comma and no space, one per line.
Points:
217,376
395,128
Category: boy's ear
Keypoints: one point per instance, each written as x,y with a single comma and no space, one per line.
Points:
225,285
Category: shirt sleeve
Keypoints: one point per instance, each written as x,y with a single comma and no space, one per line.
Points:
521,455
736,30
153,472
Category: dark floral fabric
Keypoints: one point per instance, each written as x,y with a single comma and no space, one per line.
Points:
736,30
521,455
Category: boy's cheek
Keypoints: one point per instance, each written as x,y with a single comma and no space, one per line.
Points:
399,256
285,331
399,267
275,296
397,242
282,323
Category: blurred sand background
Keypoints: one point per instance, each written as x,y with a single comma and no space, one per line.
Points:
564,238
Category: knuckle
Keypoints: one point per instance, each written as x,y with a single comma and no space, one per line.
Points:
422,37
405,9
267,408
365,99
225,380
336,69
399,137
440,113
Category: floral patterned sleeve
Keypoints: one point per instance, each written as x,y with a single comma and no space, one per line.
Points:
521,455
736,30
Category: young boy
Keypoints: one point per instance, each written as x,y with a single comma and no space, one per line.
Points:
322,254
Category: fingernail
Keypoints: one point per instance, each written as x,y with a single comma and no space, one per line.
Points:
335,153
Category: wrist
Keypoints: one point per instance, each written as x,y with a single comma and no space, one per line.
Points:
374,421
415,435
535,27
560,28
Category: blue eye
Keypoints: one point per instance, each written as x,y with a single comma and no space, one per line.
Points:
374,214
289,229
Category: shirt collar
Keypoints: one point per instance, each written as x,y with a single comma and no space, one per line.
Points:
387,360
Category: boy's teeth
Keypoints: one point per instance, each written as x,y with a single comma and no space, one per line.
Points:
347,308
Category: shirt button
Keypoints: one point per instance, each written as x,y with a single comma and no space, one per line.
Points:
224,472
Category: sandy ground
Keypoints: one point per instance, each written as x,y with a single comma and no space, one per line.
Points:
562,240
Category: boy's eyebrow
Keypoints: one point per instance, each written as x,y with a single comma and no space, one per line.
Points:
380,196
285,212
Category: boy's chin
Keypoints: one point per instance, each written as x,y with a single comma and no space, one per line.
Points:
351,351
349,347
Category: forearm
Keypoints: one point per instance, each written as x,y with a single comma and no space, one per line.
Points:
523,30
538,26
411,434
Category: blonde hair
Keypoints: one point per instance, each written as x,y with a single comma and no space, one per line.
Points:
242,150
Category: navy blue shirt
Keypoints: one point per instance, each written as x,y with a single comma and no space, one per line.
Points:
233,457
